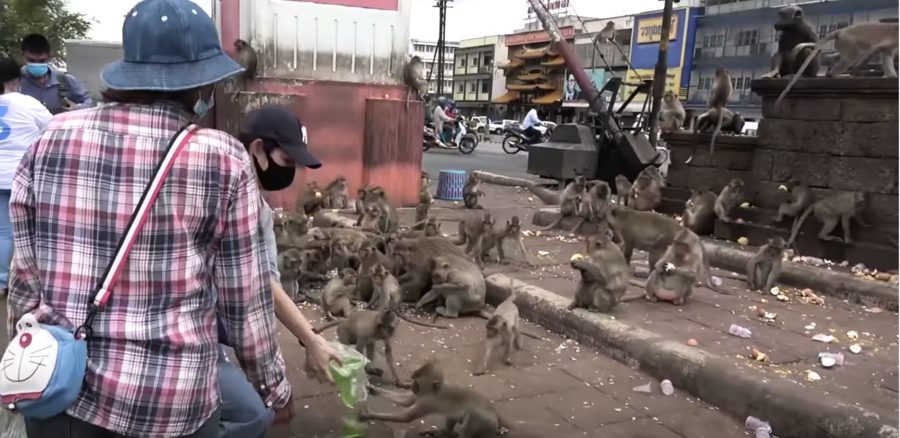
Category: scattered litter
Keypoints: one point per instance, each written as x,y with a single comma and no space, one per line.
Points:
758,355
743,241
813,376
824,338
782,297
739,220
853,335
666,386
809,297
775,291
716,280
543,253
845,263
692,342
530,199
829,360
643,388
874,310
811,326
737,330
855,349
858,268
883,276
576,257
527,233
760,427
745,205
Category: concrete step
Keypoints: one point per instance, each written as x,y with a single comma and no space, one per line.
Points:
874,255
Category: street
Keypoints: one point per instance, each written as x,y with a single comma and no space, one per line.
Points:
488,156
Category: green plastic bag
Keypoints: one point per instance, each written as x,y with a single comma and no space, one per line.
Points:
350,379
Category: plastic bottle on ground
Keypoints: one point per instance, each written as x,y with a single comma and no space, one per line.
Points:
762,428
737,330
666,386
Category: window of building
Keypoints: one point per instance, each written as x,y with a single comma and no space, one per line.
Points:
717,40
705,83
488,59
461,88
462,62
747,37
472,87
485,87
475,62
825,29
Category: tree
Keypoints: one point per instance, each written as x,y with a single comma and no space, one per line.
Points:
50,18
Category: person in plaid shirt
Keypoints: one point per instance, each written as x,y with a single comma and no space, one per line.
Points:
152,356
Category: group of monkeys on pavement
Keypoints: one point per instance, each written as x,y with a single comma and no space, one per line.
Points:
382,265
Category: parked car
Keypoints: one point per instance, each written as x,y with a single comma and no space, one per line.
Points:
495,127
480,122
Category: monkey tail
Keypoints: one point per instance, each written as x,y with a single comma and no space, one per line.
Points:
799,223
412,321
327,326
712,143
797,75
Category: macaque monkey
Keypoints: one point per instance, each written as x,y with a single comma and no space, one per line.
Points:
645,193
473,231
336,194
467,413
623,189
700,212
570,201
731,121
604,275
502,330
414,78
675,274
855,45
671,114
361,202
608,33
840,207
471,192
729,198
338,293
793,30
801,197
595,206
718,99
363,329
388,295
459,287
246,58
765,267
371,220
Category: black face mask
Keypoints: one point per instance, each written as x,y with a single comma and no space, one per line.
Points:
276,177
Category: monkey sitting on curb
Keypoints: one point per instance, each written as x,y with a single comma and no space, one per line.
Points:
671,114
675,274
730,197
765,267
604,275
645,193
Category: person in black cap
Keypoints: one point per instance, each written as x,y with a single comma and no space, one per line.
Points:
276,141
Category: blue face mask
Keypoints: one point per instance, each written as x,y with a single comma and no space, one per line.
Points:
201,107
37,70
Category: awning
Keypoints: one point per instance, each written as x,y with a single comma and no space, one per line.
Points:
506,98
546,86
532,77
555,61
522,87
549,98
531,54
512,64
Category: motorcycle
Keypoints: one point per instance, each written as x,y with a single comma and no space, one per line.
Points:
464,140
516,140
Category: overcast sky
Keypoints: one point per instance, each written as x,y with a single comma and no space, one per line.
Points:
465,19
476,18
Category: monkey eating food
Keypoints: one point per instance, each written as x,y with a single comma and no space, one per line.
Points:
336,194
645,194
700,214
363,329
801,197
387,295
471,192
675,274
765,267
604,275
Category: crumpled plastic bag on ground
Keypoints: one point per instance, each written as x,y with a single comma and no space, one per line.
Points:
11,425
350,379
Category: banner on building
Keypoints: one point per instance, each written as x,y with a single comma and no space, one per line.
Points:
572,91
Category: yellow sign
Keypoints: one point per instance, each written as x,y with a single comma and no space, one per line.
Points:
650,30
673,81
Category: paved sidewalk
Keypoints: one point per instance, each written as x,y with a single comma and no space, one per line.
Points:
868,379
556,388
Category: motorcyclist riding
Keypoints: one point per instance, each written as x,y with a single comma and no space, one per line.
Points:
529,125
438,117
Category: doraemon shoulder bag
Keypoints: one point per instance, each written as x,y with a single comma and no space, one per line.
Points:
43,368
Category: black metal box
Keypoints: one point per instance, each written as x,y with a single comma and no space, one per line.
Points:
570,147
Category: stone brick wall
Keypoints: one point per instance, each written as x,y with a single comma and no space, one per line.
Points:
836,135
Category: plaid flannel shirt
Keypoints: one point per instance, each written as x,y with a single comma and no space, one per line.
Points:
151,368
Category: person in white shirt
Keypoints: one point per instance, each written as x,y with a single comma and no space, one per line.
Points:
22,118
528,125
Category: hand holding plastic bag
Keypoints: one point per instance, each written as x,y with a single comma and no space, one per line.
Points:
350,379
12,425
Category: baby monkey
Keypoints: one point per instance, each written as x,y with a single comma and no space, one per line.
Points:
503,330
471,192
338,293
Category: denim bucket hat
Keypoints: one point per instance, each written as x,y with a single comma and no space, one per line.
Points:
168,45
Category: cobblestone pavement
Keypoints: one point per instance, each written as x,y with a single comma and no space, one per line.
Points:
868,379
555,388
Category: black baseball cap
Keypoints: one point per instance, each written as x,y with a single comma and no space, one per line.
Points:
278,124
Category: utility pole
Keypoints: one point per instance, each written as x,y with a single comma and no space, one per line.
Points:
441,43
659,75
